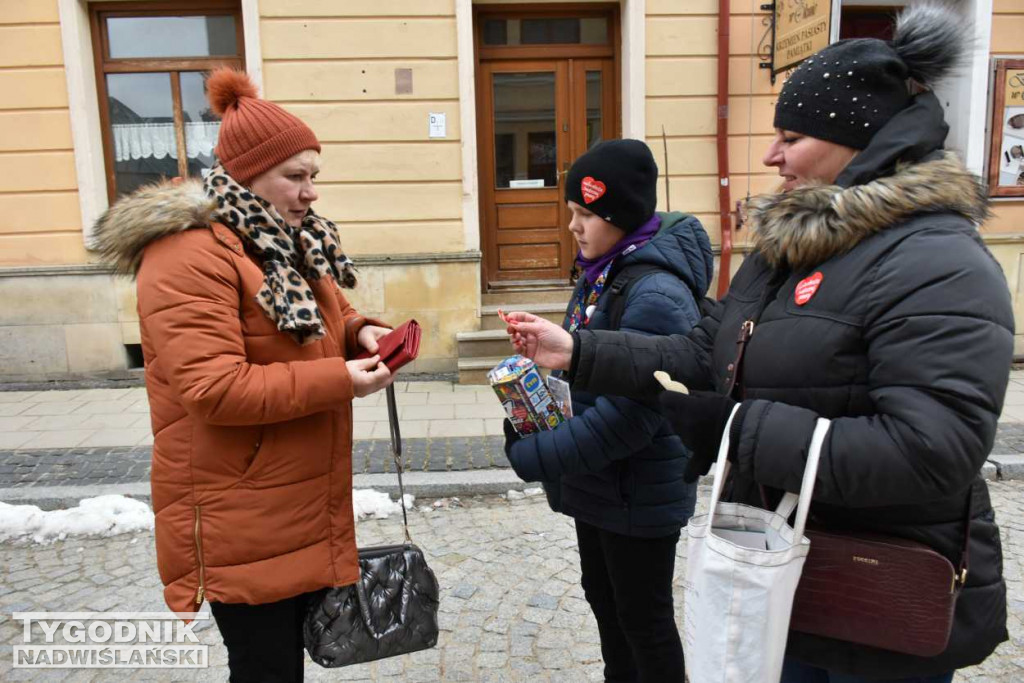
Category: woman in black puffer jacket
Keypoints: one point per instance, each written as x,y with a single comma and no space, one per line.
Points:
873,302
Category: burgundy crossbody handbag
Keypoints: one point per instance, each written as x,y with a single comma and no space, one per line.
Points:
879,590
873,589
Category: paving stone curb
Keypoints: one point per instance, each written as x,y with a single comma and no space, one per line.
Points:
420,484
129,464
461,484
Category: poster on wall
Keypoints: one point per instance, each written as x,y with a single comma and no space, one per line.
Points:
802,27
1006,159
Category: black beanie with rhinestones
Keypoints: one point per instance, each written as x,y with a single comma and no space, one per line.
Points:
847,91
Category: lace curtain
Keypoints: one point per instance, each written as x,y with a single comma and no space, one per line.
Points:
142,140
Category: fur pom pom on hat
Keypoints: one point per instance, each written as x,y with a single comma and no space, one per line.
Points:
847,91
225,87
255,135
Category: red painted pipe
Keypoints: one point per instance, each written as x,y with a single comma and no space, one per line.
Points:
724,200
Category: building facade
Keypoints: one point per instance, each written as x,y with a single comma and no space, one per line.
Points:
447,126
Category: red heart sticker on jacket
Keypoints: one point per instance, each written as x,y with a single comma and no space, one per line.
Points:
592,189
806,288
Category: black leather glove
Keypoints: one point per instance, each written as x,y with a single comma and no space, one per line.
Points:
511,436
699,419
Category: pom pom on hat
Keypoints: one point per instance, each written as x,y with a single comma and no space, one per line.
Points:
255,135
849,90
226,86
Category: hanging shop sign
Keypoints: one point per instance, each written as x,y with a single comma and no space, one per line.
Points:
1006,157
802,27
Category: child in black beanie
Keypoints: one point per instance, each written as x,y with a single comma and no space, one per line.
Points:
615,467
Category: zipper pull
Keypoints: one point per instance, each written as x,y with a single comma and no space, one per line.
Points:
200,593
746,332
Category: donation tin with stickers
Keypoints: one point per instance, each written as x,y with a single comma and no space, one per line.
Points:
524,395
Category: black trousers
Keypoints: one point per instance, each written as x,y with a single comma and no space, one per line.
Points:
264,642
628,583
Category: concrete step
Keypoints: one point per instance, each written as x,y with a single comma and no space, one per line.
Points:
525,293
483,344
474,370
489,319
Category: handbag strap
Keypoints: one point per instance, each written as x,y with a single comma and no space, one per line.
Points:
396,451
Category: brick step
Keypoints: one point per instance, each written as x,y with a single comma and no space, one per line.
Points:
483,344
528,293
489,319
474,370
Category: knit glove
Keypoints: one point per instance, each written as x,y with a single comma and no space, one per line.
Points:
698,419
511,436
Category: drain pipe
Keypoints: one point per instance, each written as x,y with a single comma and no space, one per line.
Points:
724,199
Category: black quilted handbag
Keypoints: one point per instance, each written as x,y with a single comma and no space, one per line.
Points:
392,610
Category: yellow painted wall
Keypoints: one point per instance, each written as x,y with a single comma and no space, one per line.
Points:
389,186
1008,218
682,86
1007,29
40,221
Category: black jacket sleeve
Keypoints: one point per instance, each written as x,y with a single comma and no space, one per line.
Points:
622,363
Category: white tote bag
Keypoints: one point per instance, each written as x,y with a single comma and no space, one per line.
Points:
742,569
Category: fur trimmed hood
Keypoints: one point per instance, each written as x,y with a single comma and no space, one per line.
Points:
124,230
809,225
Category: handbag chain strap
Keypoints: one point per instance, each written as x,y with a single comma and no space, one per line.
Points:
396,451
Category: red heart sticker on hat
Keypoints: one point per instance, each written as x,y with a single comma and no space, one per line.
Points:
806,288
592,189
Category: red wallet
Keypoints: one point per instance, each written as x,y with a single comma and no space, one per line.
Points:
399,347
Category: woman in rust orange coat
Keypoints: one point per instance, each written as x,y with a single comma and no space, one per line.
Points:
246,337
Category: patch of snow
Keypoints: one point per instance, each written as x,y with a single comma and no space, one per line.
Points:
377,504
536,491
100,516
515,495
114,514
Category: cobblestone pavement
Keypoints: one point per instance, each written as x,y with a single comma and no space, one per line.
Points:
511,605
129,464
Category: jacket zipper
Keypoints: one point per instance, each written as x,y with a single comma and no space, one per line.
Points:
201,592
256,448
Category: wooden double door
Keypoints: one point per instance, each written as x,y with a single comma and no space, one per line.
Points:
536,116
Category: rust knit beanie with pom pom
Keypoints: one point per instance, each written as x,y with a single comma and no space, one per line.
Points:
255,135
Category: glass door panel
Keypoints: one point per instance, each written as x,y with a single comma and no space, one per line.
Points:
595,100
525,136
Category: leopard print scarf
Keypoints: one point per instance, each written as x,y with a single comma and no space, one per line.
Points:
290,255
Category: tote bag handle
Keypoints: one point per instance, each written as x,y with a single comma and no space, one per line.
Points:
802,503
790,500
